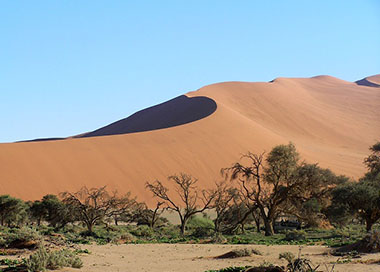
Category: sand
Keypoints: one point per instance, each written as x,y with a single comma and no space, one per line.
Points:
199,258
331,122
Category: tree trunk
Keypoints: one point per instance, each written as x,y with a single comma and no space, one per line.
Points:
90,227
153,221
183,226
242,227
268,221
216,226
368,223
257,221
268,227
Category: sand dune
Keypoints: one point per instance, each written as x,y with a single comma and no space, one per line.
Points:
331,121
372,81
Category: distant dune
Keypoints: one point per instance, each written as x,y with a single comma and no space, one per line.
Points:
331,121
373,81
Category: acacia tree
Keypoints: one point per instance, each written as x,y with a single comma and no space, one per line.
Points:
94,205
191,199
309,200
12,210
267,187
361,198
373,162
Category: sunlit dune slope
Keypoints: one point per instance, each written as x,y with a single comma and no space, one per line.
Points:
331,121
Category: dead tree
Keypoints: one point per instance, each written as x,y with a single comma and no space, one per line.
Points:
96,204
224,197
191,200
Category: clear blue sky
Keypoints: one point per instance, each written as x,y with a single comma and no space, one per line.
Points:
68,67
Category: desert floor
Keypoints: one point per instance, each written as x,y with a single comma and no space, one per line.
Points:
200,257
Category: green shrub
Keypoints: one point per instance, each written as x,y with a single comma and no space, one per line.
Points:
42,260
200,222
20,238
201,226
295,235
143,231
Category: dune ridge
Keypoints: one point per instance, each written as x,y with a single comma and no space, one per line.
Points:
331,121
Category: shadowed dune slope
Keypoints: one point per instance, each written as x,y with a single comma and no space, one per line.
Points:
331,121
178,111
372,81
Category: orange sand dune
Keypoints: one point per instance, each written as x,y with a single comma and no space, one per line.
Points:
331,121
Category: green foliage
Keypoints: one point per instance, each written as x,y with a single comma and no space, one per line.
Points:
201,226
54,211
373,162
18,236
82,251
295,235
43,260
362,199
13,211
143,231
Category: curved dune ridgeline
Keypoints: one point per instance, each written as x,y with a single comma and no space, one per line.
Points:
373,81
178,111
331,121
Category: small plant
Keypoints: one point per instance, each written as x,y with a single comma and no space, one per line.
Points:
82,251
288,256
11,263
297,264
43,259
266,264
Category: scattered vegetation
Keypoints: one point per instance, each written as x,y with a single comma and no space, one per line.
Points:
265,199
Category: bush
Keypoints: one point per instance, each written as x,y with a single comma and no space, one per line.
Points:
295,235
124,238
42,260
369,244
20,238
200,221
201,226
143,231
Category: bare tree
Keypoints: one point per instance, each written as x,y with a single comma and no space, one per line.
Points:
94,205
224,197
146,216
192,200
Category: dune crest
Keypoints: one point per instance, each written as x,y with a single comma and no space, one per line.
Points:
372,81
331,122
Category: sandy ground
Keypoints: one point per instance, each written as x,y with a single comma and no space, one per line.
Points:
199,258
